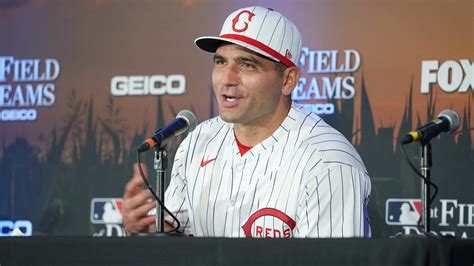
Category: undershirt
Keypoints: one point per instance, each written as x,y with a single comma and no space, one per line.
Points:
242,148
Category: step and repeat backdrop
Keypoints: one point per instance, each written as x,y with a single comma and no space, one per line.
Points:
82,83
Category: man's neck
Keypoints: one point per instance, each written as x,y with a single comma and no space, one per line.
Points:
251,135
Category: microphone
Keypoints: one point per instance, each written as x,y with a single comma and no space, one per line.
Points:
185,121
447,121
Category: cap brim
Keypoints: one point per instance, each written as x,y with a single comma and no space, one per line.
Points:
211,43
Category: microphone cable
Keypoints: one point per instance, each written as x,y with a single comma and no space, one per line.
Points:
413,167
175,229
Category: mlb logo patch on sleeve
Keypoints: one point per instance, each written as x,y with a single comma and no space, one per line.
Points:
402,211
106,210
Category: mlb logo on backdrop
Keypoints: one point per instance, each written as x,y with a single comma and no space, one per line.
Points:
106,210
402,211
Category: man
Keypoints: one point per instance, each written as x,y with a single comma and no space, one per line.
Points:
266,167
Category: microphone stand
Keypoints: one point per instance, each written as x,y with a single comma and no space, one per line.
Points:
160,165
425,165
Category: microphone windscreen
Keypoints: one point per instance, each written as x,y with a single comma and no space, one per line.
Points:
190,118
453,118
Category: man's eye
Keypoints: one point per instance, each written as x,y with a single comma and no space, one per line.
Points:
248,66
219,62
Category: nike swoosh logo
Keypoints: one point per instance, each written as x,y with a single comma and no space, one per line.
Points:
204,163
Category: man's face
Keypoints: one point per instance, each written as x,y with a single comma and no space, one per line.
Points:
248,87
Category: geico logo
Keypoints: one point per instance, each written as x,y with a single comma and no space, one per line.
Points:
320,108
7,227
323,108
450,76
148,85
18,115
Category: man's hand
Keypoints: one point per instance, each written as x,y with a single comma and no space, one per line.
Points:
137,202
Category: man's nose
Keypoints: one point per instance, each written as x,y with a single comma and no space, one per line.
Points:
230,76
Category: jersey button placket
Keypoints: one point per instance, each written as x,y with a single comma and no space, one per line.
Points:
238,168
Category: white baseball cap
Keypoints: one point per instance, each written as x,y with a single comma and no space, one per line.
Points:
261,30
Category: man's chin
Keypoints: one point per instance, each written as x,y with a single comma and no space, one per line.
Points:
229,118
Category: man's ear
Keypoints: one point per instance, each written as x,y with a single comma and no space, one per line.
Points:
291,76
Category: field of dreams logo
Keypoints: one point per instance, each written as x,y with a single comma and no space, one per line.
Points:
26,84
326,75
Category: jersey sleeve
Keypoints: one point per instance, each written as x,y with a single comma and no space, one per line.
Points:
333,203
175,194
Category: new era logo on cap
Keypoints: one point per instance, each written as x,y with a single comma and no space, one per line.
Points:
261,30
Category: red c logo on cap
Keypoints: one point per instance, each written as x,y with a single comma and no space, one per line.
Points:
237,18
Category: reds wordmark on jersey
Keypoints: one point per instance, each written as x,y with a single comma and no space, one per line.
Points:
305,180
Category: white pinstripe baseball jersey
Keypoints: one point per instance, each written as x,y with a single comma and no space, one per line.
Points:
305,180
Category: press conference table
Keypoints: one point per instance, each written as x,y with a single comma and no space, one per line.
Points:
217,251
